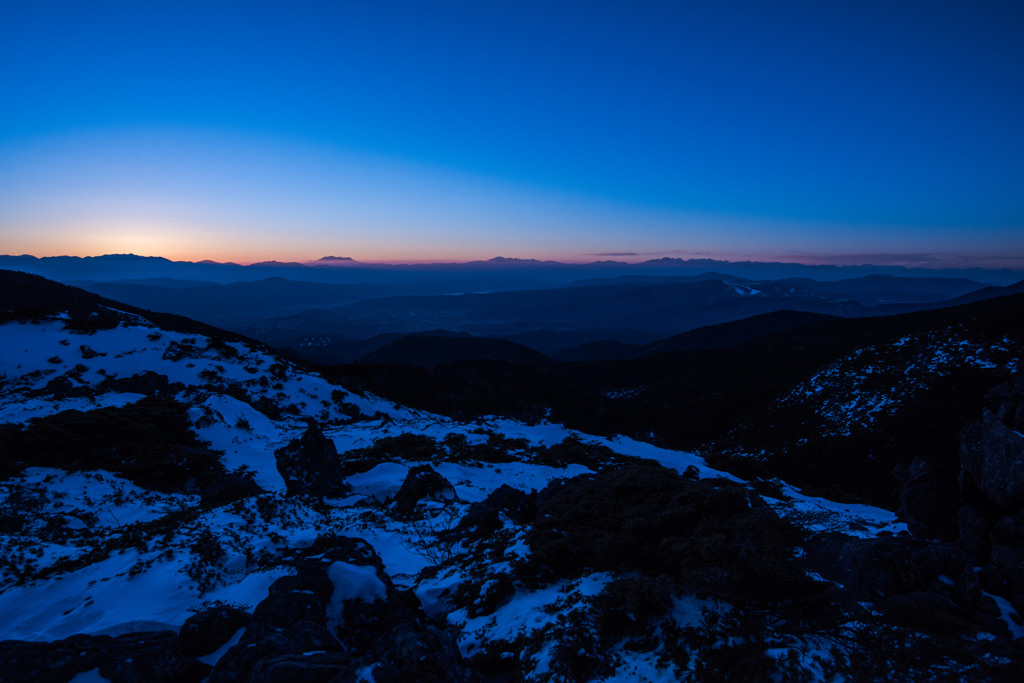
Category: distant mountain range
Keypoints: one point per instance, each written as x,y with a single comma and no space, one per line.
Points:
491,275
607,310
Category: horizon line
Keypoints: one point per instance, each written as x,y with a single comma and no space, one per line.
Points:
917,261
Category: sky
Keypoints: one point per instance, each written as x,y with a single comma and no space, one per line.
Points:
819,132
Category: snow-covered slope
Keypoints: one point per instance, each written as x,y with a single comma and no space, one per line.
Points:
89,551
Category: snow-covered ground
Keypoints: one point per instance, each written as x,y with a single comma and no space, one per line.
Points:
111,567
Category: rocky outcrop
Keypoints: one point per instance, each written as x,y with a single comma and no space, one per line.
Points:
310,465
338,615
1007,402
925,501
145,657
209,630
148,383
484,518
908,578
992,458
406,655
228,488
423,483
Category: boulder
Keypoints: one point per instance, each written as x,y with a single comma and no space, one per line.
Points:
495,591
870,568
62,388
207,631
1007,402
974,533
310,465
409,655
228,488
305,667
928,500
423,483
1011,561
148,383
312,625
1009,530
992,456
484,518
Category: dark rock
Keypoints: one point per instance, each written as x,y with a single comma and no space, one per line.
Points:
1011,561
148,383
993,580
228,488
423,483
311,636
518,506
289,602
869,568
312,667
1009,530
928,500
484,518
924,609
306,613
88,353
968,590
148,657
1007,402
310,465
62,387
993,624
145,657
207,631
495,591
410,655
974,529
992,455
974,534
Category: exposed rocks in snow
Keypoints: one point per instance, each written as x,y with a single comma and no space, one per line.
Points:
228,488
484,518
310,465
406,653
147,383
423,483
337,616
205,632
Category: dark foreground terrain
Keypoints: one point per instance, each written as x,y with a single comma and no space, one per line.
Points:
180,504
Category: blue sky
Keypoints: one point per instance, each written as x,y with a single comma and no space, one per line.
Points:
451,131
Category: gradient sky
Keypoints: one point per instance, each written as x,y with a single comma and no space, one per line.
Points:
844,132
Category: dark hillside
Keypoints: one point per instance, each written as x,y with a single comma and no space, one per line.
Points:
431,351
212,300
687,399
25,297
734,333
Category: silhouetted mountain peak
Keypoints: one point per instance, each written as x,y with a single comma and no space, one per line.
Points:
276,264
